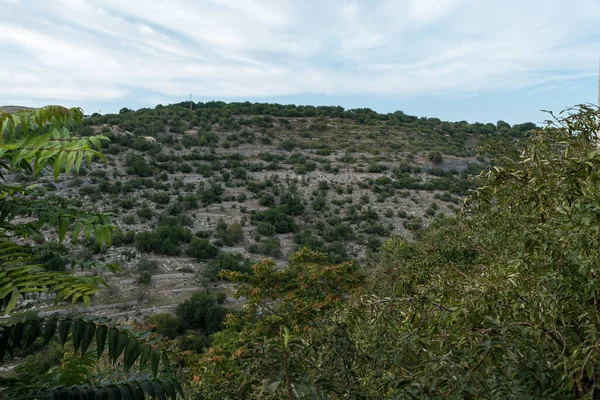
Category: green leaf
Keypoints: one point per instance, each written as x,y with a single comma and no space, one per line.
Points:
59,164
49,331
63,226
90,330
64,327
76,230
166,364
101,333
35,328
78,333
13,301
113,344
273,386
156,355
145,355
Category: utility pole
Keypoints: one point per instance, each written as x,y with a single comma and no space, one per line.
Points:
193,103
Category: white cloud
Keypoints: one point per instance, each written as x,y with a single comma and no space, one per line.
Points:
78,50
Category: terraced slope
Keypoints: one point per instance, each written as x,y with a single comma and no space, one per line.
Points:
220,186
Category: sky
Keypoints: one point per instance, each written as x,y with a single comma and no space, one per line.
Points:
474,60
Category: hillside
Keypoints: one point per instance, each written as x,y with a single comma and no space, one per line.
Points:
224,185
14,109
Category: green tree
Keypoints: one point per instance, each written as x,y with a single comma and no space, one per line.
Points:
29,142
201,311
435,157
281,305
201,249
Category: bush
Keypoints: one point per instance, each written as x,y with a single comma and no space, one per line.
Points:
144,212
211,194
268,247
201,249
145,278
161,198
277,217
265,228
165,324
436,157
193,341
413,224
227,261
137,165
291,204
230,235
145,265
163,240
202,311
127,204
266,200
53,256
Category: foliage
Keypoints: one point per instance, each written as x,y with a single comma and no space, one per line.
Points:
229,234
30,141
201,249
165,239
121,344
270,247
297,297
277,217
500,302
435,157
164,324
228,261
201,311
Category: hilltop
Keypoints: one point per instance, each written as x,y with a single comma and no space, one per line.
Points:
14,109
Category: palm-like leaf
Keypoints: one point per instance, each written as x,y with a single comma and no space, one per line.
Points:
19,275
120,343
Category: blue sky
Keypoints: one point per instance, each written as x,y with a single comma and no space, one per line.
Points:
474,60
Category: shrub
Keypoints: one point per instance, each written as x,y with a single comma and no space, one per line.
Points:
291,204
413,224
193,341
202,311
265,228
161,198
435,157
53,256
227,261
164,324
211,194
277,217
127,204
144,212
145,278
266,200
137,165
201,249
231,234
319,203
288,145
163,240
270,247
145,265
